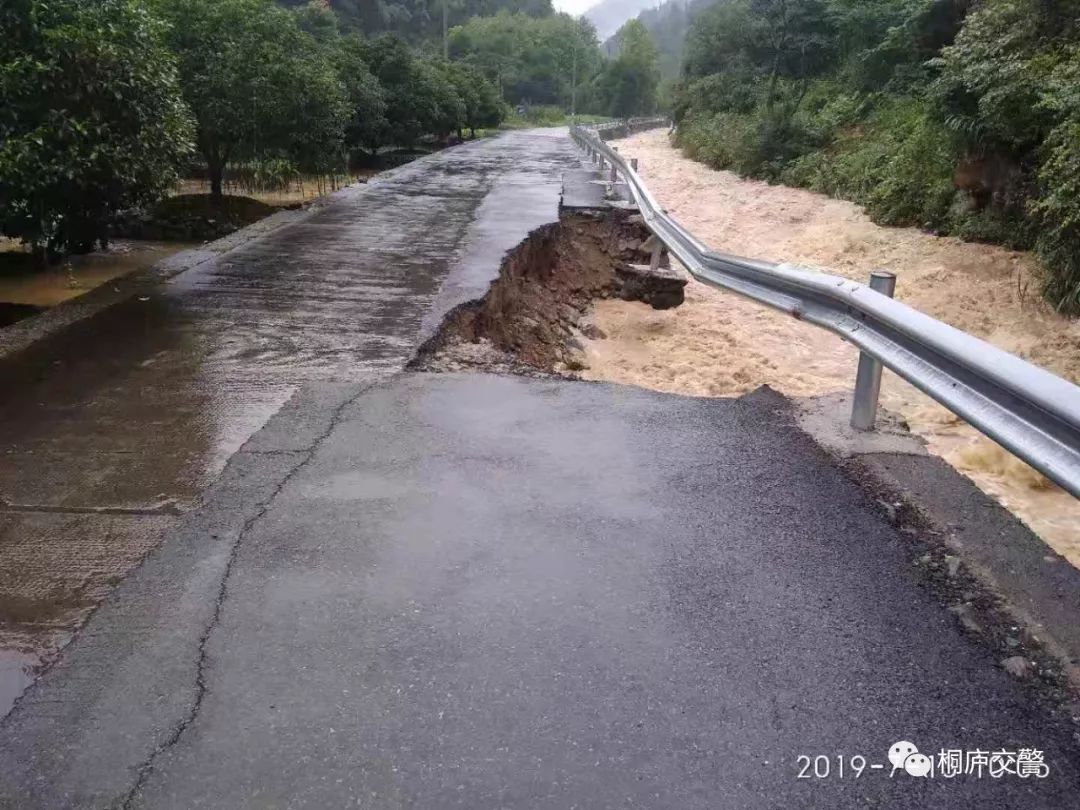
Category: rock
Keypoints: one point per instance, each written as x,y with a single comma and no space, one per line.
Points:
963,613
1018,667
592,331
892,512
662,288
953,563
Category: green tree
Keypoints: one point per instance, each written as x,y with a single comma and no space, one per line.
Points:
420,98
437,91
420,21
530,60
718,42
367,102
367,107
630,81
258,85
91,119
484,106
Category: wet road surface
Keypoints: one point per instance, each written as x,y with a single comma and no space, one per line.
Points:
119,424
478,592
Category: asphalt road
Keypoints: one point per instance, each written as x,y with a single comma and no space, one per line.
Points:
481,592
111,427
439,591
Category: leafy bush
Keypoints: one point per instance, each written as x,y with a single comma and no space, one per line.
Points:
91,119
757,144
962,117
484,107
898,163
1059,213
992,78
1057,210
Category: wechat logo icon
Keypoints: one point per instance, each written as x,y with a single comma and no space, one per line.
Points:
905,757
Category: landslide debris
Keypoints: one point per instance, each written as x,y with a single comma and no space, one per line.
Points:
535,312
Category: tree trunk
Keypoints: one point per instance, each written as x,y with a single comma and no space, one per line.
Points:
217,174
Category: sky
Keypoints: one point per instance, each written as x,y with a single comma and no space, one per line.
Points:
574,6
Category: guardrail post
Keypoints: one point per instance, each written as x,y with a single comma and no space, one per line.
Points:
614,174
657,253
868,380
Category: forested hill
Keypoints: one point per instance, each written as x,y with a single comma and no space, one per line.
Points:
608,16
416,20
958,116
668,24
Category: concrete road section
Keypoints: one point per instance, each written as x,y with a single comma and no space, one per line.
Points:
112,428
485,592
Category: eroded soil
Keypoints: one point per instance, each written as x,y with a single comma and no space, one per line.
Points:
533,319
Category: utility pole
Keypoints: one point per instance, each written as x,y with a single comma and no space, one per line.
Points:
446,30
573,87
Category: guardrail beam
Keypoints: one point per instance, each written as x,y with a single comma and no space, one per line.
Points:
1027,410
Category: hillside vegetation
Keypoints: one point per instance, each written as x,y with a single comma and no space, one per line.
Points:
107,103
958,116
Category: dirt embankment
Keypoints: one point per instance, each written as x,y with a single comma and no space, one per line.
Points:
719,344
532,321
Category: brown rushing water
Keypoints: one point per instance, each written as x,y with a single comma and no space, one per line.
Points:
720,344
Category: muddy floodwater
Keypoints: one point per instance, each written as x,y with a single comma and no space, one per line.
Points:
719,344
26,289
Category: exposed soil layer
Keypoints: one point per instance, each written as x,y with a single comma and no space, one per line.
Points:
533,318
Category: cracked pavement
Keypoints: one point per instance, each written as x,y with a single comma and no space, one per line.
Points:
114,427
408,590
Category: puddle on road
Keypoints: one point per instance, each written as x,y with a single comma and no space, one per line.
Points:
132,409
144,403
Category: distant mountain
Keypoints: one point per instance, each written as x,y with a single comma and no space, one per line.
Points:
668,23
609,15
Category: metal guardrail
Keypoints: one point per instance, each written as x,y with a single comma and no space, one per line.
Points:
1027,410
